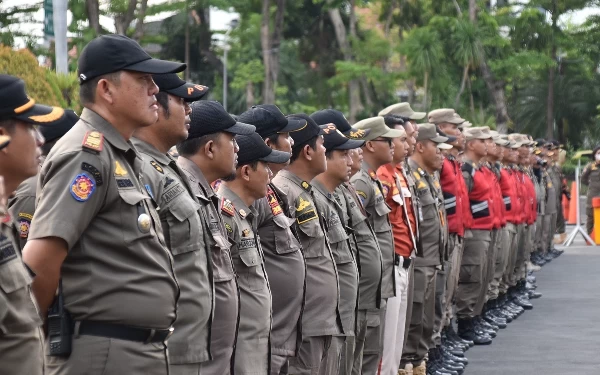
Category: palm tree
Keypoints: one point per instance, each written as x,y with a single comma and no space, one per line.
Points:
423,50
468,52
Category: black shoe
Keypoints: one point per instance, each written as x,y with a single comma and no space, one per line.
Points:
449,355
466,331
490,318
462,342
523,303
533,294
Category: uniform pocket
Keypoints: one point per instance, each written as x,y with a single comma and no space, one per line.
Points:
315,244
131,221
13,276
380,220
184,225
338,238
285,242
251,274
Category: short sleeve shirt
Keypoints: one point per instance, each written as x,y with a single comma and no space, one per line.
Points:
22,207
91,194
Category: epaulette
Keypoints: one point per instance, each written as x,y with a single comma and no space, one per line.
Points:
93,140
469,168
227,207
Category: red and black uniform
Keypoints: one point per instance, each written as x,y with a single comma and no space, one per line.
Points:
481,198
456,198
510,196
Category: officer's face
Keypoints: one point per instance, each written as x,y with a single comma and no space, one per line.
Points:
411,137
176,124
134,100
357,157
383,149
491,147
400,149
431,154
479,147
225,149
339,166
259,179
21,158
319,161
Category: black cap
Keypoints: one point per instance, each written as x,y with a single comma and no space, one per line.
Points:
269,120
540,142
332,116
253,148
14,103
61,128
210,117
172,84
111,53
307,132
335,140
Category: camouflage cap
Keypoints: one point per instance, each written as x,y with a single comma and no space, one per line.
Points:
373,127
476,133
402,109
442,115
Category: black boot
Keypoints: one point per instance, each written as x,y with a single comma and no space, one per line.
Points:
490,317
466,331
453,335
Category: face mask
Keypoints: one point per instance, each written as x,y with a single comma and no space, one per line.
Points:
597,157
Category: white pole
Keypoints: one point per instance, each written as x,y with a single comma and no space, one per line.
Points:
225,77
59,9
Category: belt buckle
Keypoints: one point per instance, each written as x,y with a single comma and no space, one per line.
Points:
171,330
150,336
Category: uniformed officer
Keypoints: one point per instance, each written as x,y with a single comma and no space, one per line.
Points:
403,220
591,177
321,316
377,151
340,356
181,220
477,239
536,257
283,259
365,247
238,196
207,155
22,204
557,180
120,289
21,337
425,162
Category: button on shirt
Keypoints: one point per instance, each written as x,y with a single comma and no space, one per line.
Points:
118,268
179,213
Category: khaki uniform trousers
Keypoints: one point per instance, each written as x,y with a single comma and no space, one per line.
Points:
522,231
548,230
359,341
373,349
420,331
94,355
508,246
441,279
589,222
470,282
499,265
490,267
529,233
455,246
538,233
310,357
22,353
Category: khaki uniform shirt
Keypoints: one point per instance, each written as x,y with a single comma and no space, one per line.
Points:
551,197
286,270
431,217
321,308
335,220
591,177
90,194
226,304
252,345
21,345
370,191
365,248
185,234
21,207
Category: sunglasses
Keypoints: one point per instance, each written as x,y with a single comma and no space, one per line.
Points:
387,140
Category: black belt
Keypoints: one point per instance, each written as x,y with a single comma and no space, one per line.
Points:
123,332
405,264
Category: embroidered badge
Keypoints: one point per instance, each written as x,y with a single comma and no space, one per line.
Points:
386,190
172,193
7,251
93,140
227,207
246,232
119,170
24,224
421,185
82,187
307,216
94,172
359,133
274,204
157,167
124,183
305,185
229,228
302,205
362,195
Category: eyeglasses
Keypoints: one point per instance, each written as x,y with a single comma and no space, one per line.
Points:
388,140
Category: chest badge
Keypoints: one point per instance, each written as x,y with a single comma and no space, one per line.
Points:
119,170
144,223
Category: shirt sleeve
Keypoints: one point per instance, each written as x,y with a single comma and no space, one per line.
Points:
71,191
363,190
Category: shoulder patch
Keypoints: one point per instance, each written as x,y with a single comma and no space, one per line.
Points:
157,166
362,195
94,172
93,140
386,189
421,185
302,205
306,216
24,224
273,202
82,187
417,175
227,207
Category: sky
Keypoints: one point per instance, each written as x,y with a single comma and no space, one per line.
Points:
219,19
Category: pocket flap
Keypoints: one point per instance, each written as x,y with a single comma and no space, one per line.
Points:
311,229
337,234
382,209
250,257
13,276
283,221
183,208
373,318
131,196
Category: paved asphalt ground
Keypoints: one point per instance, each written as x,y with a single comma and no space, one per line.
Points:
561,335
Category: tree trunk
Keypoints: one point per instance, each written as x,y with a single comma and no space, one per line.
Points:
425,88
364,83
496,89
472,10
250,95
187,41
92,8
462,85
139,26
551,77
270,45
471,99
355,105
123,20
